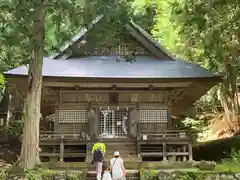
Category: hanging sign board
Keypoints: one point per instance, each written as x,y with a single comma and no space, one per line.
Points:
144,137
119,123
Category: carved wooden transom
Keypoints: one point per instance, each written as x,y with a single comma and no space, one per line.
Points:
77,97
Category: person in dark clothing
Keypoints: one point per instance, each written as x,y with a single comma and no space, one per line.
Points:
98,159
98,156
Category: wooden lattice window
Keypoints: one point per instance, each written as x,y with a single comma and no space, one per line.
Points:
153,115
72,116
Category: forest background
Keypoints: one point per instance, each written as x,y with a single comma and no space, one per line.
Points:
200,31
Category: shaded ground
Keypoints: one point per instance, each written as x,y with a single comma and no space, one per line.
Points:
216,150
9,152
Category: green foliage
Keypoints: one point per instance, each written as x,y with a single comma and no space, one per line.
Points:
63,19
31,175
165,31
45,175
15,129
2,87
148,174
233,159
191,175
193,124
17,27
210,32
3,175
144,13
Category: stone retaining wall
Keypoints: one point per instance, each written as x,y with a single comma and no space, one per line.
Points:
151,175
144,175
46,176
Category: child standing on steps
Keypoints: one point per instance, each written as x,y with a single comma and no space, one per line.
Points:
106,172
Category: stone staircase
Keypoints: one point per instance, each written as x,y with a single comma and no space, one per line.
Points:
127,149
131,175
125,146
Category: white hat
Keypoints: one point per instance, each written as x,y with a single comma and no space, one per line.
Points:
116,153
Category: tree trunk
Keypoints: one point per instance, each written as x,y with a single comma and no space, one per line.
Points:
29,157
9,115
230,102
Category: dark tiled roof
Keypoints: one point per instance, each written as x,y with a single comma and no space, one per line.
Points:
108,67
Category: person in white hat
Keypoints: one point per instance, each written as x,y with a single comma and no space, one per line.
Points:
117,167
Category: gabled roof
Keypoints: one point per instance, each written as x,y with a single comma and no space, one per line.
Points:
78,37
137,32
143,67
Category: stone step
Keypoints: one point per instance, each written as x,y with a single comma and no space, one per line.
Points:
125,158
122,153
131,165
121,150
114,140
120,143
131,175
120,147
125,150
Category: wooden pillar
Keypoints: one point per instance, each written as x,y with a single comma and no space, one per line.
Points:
61,149
174,156
178,150
134,121
55,126
184,150
56,119
138,140
92,124
58,100
169,121
164,151
190,156
87,152
9,114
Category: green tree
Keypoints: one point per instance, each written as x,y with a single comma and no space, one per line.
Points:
31,29
210,31
23,29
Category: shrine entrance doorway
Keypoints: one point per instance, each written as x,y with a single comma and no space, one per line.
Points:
113,123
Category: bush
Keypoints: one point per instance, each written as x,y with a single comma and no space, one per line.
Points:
46,175
148,175
205,165
15,129
233,159
175,175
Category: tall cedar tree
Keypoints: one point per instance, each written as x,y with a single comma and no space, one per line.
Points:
22,39
22,29
210,29
29,157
